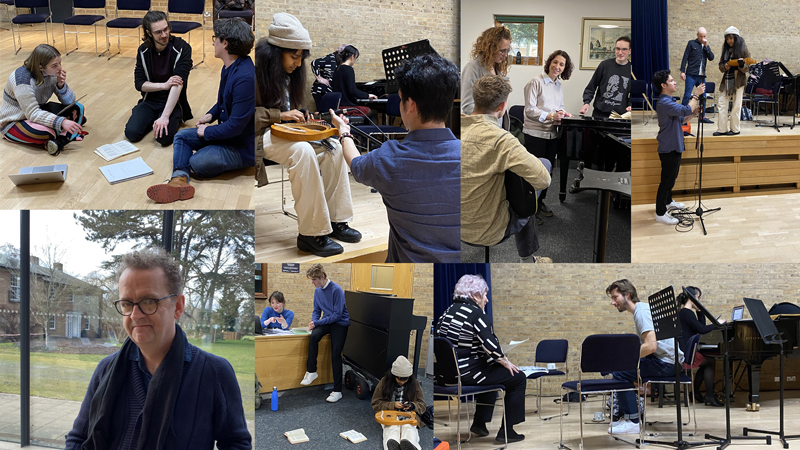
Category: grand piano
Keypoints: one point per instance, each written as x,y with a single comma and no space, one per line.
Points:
745,345
380,329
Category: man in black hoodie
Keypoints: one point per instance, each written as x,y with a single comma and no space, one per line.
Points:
610,85
162,70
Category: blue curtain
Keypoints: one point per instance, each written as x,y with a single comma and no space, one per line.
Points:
445,277
650,40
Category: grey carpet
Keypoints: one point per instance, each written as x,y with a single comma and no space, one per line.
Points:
568,236
306,408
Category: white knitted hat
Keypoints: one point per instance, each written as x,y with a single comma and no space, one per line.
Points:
287,32
732,30
401,367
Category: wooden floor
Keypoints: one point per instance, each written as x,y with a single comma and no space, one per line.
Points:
640,130
545,434
746,229
276,233
110,96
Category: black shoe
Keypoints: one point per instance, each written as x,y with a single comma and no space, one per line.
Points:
407,445
512,436
342,232
712,401
54,147
544,210
318,245
391,444
704,120
717,133
479,429
539,220
731,133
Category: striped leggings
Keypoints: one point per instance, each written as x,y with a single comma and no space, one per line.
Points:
28,132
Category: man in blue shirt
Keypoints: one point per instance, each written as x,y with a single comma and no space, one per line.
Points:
670,140
693,66
419,177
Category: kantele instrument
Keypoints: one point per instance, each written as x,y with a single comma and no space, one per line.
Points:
305,131
390,417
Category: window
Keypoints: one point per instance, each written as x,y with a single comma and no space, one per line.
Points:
14,289
51,324
72,298
86,323
261,280
527,35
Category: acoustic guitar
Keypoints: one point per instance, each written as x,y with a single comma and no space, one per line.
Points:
390,417
306,131
735,62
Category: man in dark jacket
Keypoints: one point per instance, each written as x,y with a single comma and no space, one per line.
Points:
158,391
693,66
211,150
162,70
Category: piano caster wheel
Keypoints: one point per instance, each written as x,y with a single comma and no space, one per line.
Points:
753,407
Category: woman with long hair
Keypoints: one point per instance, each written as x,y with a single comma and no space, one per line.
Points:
27,117
344,81
323,69
734,79
399,390
544,107
323,204
489,56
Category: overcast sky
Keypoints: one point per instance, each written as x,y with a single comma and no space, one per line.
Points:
81,256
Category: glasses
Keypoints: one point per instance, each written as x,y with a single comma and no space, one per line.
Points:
504,51
148,306
164,31
623,50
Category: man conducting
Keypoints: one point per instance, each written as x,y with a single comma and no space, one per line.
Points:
162,70
487,151
610,85
158,391
693,66
657,358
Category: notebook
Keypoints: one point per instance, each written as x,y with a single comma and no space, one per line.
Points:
296,436
126,171
40,174
113,151
353,436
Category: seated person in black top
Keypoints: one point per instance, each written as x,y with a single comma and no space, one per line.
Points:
162,70
344,81
691,325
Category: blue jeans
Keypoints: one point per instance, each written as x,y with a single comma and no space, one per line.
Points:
649,366
691,82
206,159
524,228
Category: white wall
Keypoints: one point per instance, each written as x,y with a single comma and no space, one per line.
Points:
562,31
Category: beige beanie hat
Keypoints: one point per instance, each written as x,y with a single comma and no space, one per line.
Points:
287,32
732,30
401,367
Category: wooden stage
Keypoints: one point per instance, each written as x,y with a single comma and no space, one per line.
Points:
110,96
276,233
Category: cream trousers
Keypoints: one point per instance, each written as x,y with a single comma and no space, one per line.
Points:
320,184
399,432
736,112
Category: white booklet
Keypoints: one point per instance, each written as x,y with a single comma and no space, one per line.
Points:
510,346
528,370
113,151
353,436
296,436
125,171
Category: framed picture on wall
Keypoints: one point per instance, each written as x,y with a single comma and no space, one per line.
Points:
598,37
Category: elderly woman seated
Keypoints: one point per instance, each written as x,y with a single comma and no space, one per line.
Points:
480,358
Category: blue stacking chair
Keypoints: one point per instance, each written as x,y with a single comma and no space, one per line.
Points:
550,351
686,382
448,382
7,3
126,22
30,19
603,353
182,27
392,110
77,20
245,14
638,96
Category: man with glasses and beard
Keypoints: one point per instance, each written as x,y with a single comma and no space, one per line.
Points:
610,85
159,391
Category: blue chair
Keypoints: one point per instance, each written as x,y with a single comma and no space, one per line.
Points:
550,351
686,382
389,131
330,100
638,96
119,23
448,382
183,27
84,20
30,19
711,89
517,111
7,3
770,99
246,14
603,353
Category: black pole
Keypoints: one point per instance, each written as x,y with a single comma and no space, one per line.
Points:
166,230
25,331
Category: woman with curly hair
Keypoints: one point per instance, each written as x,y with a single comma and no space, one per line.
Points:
544,107
489,57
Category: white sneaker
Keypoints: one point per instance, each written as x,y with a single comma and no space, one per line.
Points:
625,427
309,378
666,219
335,397
675,205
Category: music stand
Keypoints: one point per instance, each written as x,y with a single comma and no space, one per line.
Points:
794,88
726,441
771,76
664,311
770,335
393,57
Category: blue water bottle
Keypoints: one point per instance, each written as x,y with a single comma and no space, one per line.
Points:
274,398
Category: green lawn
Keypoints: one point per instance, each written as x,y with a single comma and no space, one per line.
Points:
66,376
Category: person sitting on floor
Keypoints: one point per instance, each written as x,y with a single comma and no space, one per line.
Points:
399,390
25,114
420,176
211,150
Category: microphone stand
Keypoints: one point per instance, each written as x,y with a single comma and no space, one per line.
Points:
699,143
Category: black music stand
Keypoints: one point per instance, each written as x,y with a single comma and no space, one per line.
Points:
774,69
393,57
796,96
664,311
728,379
770,335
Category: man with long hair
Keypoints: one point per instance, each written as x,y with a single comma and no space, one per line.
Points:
162,70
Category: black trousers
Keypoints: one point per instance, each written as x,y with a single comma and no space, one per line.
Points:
670,165
515,394
338,337
542,148
141,122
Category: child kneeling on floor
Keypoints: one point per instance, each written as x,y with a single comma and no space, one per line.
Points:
399,390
